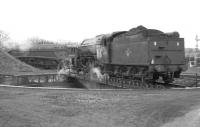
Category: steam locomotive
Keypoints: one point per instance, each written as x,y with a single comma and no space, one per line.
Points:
138,54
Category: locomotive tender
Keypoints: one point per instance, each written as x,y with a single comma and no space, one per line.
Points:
140,53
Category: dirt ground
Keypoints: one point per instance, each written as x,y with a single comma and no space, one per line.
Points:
22,107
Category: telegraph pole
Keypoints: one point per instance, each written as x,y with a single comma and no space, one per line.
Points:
196,59
196,50
197,46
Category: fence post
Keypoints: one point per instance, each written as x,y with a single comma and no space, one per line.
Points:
196,79
17,78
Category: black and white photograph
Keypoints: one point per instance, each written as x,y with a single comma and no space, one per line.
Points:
99,63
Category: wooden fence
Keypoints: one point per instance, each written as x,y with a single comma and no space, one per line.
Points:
32,79
189,79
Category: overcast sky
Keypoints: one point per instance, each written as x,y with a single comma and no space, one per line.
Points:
76,20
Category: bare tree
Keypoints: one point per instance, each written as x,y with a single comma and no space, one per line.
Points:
3,37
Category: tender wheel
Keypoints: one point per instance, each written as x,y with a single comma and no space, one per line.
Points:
155,76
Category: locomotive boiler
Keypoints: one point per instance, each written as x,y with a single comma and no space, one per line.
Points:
140,53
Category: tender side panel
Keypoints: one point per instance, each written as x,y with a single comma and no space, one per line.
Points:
128,51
